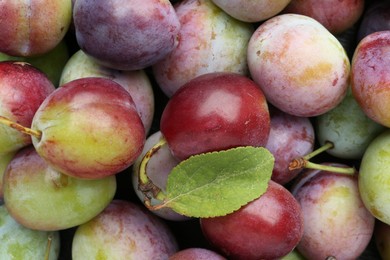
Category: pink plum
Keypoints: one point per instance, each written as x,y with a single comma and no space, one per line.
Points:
124,230
301,67
370,76
335,218
209,41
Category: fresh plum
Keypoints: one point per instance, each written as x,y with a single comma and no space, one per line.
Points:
124,230
267,228
252,11
136,82
290,137
301,67
370,76
23,88
209,41
335,217
31,28
335,15
126,35
215,111
80,120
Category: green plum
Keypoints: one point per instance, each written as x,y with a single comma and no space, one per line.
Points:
19,242
348,128
374,177
41,198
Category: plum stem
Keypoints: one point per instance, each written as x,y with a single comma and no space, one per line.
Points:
48,246
326,146
20,128
145,184
303,162
329,168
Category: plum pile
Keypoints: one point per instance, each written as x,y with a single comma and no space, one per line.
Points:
117,117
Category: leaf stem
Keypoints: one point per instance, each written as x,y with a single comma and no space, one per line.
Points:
145,184
20,128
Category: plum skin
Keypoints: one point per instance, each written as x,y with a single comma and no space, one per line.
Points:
213,112
209,40
301,67
335,217
80,120
370,76
114,33
23,88
266,228
33,28
124,230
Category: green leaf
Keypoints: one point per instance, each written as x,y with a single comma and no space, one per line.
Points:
218,183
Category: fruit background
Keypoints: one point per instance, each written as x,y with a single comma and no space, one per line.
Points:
350,22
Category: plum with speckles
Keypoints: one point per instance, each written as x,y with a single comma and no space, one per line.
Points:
31,28
301,67
124,230
23,88
209,41
370,76
335,218
128,35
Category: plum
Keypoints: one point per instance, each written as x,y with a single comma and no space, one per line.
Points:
335,217
126,35
31,28
209,41
301,67
370,76
337,16
124,230
252,11
266,228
